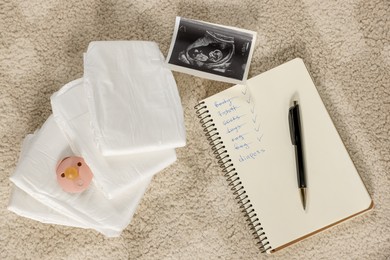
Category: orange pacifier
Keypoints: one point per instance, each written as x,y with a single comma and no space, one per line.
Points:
73,174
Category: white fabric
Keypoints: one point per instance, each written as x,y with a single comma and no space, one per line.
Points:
26,206
114,174
35,174
133,98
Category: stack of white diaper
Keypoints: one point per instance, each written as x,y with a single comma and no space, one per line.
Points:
124,118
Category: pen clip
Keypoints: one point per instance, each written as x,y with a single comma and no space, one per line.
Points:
291,124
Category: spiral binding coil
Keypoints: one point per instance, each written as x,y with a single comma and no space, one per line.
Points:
231,175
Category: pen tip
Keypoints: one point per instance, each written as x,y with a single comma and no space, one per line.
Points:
303,197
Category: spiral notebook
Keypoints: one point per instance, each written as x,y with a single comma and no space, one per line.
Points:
248,130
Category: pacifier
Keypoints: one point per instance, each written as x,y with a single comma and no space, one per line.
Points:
73,174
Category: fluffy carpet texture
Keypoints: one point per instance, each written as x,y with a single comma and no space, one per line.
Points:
189,212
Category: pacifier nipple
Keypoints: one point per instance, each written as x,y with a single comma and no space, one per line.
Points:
71,173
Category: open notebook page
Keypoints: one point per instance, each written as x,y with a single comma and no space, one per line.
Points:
252,121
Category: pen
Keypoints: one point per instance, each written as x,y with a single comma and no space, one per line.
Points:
296,139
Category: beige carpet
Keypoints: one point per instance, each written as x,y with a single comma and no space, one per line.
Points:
188,211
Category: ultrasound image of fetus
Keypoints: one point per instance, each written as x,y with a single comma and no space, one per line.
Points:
213,51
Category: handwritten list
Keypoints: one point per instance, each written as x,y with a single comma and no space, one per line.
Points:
240,125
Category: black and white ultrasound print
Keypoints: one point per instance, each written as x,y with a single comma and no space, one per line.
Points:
212,49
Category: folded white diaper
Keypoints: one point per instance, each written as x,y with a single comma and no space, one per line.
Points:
35,174
114,174
133,98
26,206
